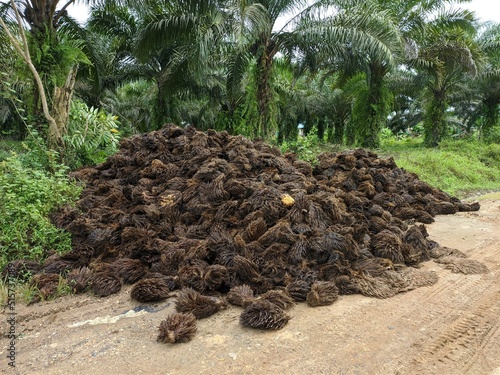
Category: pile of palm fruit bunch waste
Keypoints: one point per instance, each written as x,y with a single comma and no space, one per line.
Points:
212,219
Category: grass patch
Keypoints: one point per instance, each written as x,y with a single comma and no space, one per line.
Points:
25,292
459,167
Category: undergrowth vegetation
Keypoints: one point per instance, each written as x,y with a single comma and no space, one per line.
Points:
92,136
28,194
308,147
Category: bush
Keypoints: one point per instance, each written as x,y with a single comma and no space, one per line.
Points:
92,136
493,135
28,193
307,147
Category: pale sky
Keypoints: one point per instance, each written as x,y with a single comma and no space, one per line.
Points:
486,10
79,11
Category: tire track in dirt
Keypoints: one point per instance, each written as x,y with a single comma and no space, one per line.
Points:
488,346
458,320
464,339
462,344
28,315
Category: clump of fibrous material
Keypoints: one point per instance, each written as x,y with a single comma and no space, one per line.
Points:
178,327
210,219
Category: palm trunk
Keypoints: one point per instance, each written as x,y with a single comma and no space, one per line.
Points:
350,135
376,108
435,118
491,115
162,111
61,104
264,95
337,134
321,128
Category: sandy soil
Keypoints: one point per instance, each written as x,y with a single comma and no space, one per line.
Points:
449,328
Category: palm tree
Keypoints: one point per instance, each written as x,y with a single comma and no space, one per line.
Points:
181,46
343,97
407,87
479,99
488,80
132,103
447,52
404,21
15,83
53,56
111,31
292,92
308,35
181,41
373,103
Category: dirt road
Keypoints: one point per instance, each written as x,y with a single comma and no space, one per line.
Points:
452,327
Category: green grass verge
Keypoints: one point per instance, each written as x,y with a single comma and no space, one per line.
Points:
459,167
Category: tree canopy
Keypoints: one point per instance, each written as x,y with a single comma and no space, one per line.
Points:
345,69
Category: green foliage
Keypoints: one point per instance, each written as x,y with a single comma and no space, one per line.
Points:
15,100
387,136
458,167
28,193
92,136
305,147
7,146
240,115
132,103
492,135
448,55
54,57
401,140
